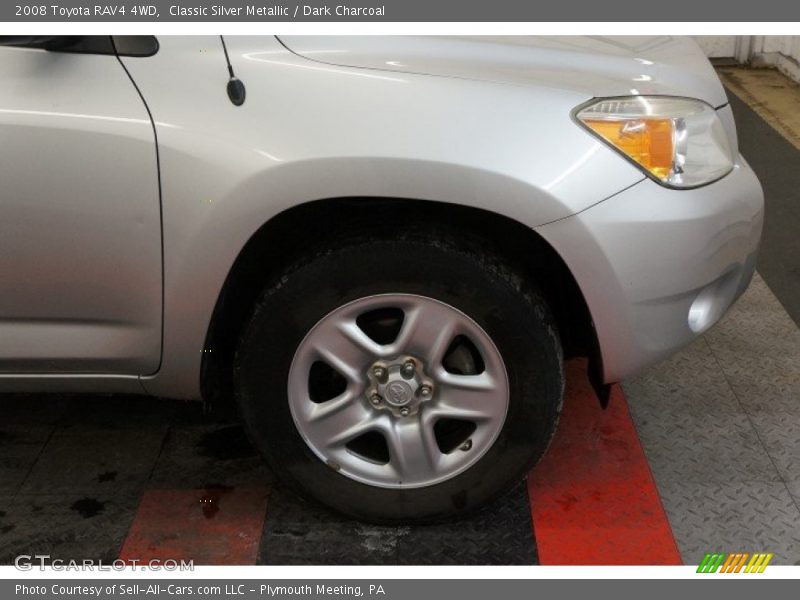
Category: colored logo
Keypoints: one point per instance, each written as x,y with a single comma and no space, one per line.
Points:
737,562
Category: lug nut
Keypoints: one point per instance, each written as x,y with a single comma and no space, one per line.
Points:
425,391
408,369
375,399
379,373
466,446
404,411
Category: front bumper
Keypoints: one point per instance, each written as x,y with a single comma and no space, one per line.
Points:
657,267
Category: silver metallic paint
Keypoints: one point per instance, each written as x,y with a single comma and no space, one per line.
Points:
311,131
472,122
593,66
643,257
80,233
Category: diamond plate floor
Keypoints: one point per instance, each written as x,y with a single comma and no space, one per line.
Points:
720,426
720,422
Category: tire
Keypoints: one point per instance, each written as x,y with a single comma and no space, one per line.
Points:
431,270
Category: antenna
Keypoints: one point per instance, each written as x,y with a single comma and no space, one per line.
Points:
235,88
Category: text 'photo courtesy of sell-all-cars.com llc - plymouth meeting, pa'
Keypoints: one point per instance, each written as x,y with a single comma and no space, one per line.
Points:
383,247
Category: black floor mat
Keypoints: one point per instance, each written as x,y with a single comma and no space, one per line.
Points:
301,533
777,163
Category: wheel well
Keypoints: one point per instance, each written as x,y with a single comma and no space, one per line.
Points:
304,228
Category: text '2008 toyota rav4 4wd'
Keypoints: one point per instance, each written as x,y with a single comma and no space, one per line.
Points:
384,247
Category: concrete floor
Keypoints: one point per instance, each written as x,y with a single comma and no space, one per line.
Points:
719,423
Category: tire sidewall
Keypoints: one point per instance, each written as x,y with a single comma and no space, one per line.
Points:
511,312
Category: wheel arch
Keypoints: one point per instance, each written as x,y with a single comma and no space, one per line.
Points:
291,233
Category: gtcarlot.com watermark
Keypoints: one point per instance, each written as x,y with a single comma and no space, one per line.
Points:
28,562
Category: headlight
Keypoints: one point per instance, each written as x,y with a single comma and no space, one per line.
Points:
679,142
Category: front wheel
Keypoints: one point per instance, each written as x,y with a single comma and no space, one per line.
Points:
403,380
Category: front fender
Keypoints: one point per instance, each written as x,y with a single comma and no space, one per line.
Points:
309,131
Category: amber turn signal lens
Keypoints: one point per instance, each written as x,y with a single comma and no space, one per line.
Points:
648,141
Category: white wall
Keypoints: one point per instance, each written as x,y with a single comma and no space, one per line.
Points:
718,46
782,51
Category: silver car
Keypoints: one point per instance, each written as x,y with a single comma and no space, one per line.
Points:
383,247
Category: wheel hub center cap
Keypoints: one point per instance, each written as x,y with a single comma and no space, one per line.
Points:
398,385
398,393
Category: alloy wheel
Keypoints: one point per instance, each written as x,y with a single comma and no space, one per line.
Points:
398,391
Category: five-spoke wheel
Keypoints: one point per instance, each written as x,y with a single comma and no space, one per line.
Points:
398,390
408,378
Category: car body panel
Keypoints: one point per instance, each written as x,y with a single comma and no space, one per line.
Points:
657,267
309,131
80,230
471,122
593,66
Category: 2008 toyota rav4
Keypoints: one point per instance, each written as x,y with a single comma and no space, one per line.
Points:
385,247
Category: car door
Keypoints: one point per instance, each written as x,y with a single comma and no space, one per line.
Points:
80,225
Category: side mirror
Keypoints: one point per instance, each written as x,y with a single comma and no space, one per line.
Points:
122,45
47,42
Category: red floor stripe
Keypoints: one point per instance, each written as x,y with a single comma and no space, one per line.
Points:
211,527
593,498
